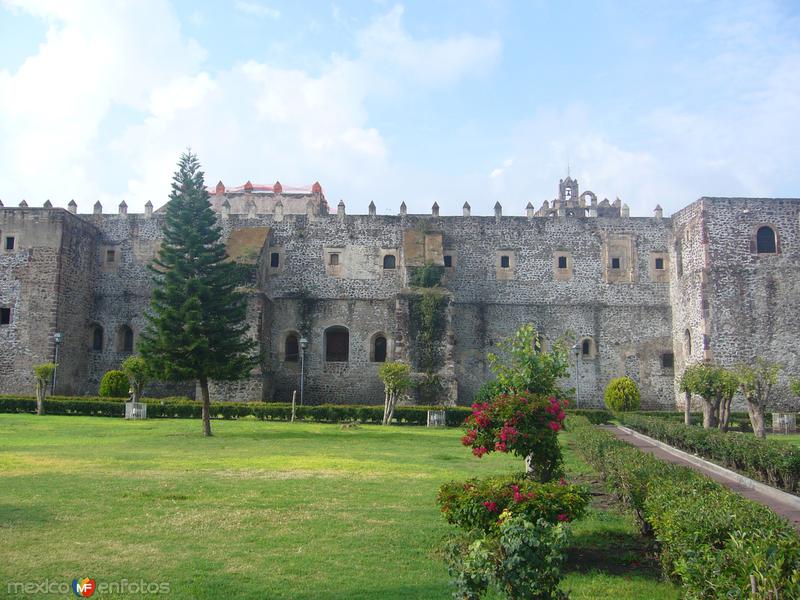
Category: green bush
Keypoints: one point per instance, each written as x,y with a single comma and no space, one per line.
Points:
524,561
622,394
114,384
774,462
476,503
711,540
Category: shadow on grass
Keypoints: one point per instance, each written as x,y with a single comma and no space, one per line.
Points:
12,515
612,552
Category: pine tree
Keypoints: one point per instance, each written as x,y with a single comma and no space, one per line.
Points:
196,324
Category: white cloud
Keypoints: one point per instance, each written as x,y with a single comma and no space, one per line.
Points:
498,172
256,9
253,120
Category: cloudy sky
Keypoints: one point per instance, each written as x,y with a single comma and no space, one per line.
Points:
486,100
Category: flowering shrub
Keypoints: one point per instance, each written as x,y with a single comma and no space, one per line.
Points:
524,424
477,503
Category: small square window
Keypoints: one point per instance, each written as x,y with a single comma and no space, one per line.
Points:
505,262
5,316
659,264
615,263
10,243
448,261
562,262
111,255
668,360
333,260
274,260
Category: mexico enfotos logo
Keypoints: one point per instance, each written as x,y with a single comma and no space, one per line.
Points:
86,587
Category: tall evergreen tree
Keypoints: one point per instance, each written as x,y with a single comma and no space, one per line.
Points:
196,324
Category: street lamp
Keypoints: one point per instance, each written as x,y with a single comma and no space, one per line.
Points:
577,350
303,346
57,339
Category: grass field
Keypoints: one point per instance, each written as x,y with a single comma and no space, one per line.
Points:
261,510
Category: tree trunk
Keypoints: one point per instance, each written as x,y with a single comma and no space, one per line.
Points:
710,410
392,403
687,409
40,389
756,412
725,414
206,407
385,407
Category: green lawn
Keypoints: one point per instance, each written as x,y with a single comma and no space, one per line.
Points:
261,510
792,438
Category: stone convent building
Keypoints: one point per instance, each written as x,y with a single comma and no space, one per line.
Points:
637,296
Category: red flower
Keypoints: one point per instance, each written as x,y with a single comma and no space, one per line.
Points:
562,481
554,425
565,403
562,517
479,451
562,415
500,447
490,506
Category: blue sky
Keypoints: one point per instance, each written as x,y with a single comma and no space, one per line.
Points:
481,101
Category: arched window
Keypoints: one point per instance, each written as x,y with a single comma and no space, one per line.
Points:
379,348
291,348
337,344
765,240
97,338
125,339
389,261
687,342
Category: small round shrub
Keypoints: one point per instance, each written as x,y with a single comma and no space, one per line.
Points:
114,384
622,394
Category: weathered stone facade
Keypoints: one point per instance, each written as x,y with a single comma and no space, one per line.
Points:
638,296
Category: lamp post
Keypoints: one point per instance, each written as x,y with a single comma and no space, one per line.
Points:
303,346
57,339
577,350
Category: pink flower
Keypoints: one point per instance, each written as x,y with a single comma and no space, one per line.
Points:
562,415
554,426
565,403
500,447
562,481
490,506
479,451
562,517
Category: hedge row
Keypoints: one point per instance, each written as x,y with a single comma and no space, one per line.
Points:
183,408
773,462
713,542
740,421
190,409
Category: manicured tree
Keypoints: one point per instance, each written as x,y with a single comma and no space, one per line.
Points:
135,368
756,382
704,380
396,378
727,385
114,384
197,329
622,394
43,374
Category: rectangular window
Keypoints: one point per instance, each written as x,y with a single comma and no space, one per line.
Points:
615,263
110,256
562,262
5,316
10,243
505,262
448,261
659,264
334,259
668,360
274,260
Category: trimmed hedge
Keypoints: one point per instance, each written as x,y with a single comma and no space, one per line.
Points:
774,462
740,421
184,408
712,541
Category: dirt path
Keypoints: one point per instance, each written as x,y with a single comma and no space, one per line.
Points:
781,508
